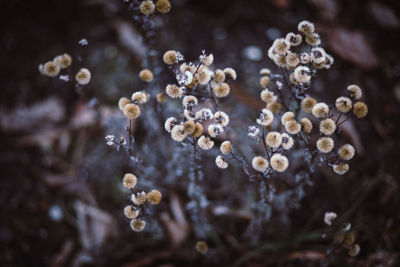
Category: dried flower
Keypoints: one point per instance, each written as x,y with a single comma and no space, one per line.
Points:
265,81
129,181
203,75
163,6
293,39
207,60
161,97
355,91
274,107
325,144
354,250
346,152
169,57
265,72
292,127
221,162
83,76
154,197
221,90
205,143
279,162
64,61
306,125
198,130
123,101
292,60
287,116
173,91
329,217
302,74
201,246
267,96
131,111
139,198
230,73
280,60
147,7
343,104
266,117
226,147
214,130
130,212
313,39
308,103
253,131
204,114
273,139
219,76
51,69
170,123
287,141
327,126
138,225
189,101
259,164
139,98
320,110
185,67
178,133
146,75
341,168
318,55
281,46
306,27
222,118
189,126
360,109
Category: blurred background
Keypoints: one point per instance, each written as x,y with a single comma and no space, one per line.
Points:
60,193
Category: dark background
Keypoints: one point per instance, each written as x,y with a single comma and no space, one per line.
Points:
54,158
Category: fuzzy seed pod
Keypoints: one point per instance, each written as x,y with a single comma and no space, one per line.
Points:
305,58
292,127
343,104
230,73
294,39
280,60
129,181
189,101
292,79
226,147
170,123
287,141
265,81
161,97
214,130
259,164
207,60
273,139
221,118
131,111
313,39
341,168
189,127
267,96
219,76
139,98
64,61
271,53
83,76
265,72
163,6
174,91
169,57
287,116
279,162
329,217
292,60
306,27
201,246
346,152
355,91
147,7
320,110
360,109
308,103
204,114
198,130
185,67
205,143
138,225
123,101
146,75
266,117
328,61
325,144
318,55
354,250
221,90
306,125
327,126
51,69
221,162
130,212
274,107
178,133
302,74
154,197
139,198
281,46
203,75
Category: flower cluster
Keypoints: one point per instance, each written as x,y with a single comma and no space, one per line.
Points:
54,67
136,211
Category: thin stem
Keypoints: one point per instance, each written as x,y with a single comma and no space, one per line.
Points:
265,144
348,117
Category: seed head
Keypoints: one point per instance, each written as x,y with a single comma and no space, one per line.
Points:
64,61
170,123
308,103
346,152
205,143
259,164
327,126
306,27
131,111
341,168
355,91
137,225
287,141
169,57
139,98
306,125
325,144
147,7
265,81
129,181
51,69
360,109
173,91
146,75
178,133
221,90
83,76
343,104
302,74
130,212
163,6
320,110
292,127
273,139
267,96
226,147
154,197
221,162
219,76
122,102
230,73
139,198
279,162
